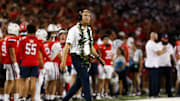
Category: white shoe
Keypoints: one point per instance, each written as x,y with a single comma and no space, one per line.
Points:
78,96
107,97
133,94
93,94
98,97
22,99
138,93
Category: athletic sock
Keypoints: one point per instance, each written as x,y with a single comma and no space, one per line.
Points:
57,96
52,97
1,97
47,97
16,97
6,97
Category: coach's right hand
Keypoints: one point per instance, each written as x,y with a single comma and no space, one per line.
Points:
63,67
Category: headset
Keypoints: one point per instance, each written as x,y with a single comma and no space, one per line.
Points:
80,13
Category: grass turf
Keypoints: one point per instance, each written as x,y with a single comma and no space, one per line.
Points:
125,98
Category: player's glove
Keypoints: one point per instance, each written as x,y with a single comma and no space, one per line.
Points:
43,71
17,70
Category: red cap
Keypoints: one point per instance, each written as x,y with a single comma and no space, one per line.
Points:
22,27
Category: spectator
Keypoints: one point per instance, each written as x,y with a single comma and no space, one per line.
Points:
120,68
137,68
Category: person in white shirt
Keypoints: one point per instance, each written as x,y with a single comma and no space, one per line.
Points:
80,42
177,58
164,63
151,63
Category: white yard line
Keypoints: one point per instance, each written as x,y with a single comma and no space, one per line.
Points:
159,99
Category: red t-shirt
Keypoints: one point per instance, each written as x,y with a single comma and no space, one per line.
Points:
6,43
107,54
29,48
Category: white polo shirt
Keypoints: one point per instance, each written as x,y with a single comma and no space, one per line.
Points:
73,38
165,59
151,56
116,44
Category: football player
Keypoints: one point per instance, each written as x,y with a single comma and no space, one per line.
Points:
41,34
177,55
61,36
9,50
106,71
52,67
2,71
31,49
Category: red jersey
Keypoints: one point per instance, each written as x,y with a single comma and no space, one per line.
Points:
6,43
47,48
178,47
96,46
19,58
1,49
29,48
106,52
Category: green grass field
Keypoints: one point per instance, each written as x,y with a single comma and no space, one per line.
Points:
122,98
126,98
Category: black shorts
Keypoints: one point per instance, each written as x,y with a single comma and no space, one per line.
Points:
94,69
134,68
32,71
2,76
122,75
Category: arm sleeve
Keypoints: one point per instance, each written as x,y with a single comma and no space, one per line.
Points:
70,36
91,37
11,43
171,50
154,47
20,48
43,51
55,49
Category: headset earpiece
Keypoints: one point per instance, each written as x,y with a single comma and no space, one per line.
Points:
80,15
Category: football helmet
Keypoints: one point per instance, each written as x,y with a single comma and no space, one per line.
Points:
41,34
13,28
